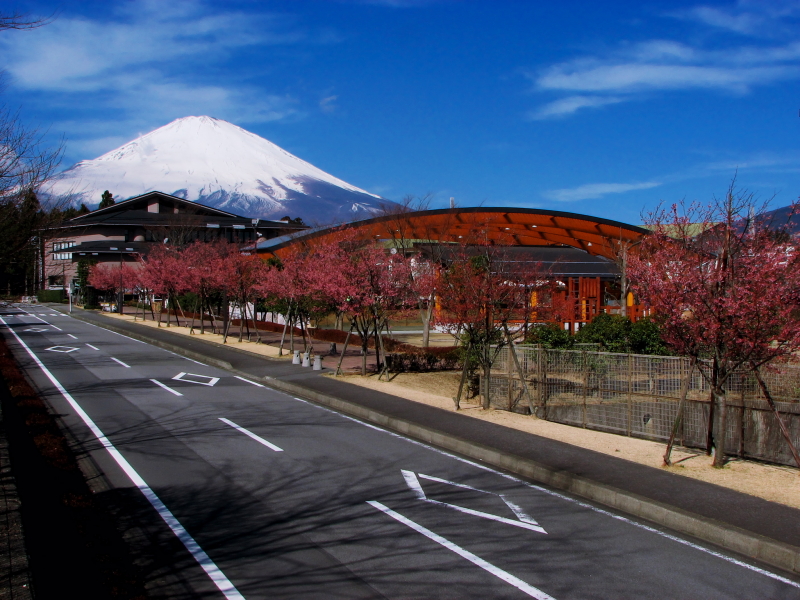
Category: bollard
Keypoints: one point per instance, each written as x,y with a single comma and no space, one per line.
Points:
306,362
296,357
317,363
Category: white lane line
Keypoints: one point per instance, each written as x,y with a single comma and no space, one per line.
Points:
166,387
119,361
248,381
260,440
463,553
212,570
413,483
555,494
72,336
54,327
93,347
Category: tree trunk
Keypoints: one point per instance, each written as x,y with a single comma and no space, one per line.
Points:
679,417
425,314
457,399
721,428
283,335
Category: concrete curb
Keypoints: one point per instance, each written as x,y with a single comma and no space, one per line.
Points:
771,552
768,551
222,364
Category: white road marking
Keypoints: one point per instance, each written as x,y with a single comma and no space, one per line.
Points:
119,361
212,570
248,381
32,315
463,553
93,347
169,389
36,329
260,440
210,380
521,514
64,349
72,336
533,486
413,483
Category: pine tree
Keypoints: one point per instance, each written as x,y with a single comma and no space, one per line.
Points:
107,199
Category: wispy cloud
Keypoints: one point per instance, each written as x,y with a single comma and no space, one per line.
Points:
328,104
570,104
149,63
746,17
633,71
592,191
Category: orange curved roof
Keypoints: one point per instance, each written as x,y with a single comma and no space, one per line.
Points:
499,226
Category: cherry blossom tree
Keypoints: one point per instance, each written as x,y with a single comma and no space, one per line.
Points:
202,262
164,273
240,275
115,277
481,293
364,281
724,285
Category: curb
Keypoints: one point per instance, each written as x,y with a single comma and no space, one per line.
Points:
222,364
771,552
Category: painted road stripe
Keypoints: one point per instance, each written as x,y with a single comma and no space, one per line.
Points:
549,492
248,381
93,347
166,387
463,553
119,361
517,510
413,483
212,570
260,440
72,336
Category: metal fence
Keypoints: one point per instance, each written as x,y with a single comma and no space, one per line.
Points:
638,395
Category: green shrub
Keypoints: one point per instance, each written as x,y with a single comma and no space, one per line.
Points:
612,332
550,336
51,296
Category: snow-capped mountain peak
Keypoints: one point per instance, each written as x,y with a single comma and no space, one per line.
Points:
218,164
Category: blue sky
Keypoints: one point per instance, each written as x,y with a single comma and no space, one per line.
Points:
597,108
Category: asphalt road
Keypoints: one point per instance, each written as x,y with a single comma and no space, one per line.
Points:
257,494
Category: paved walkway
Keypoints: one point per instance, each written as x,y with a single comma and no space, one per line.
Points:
768,519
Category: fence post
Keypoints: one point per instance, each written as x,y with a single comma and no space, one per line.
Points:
541,379
508,379
585,384
630,395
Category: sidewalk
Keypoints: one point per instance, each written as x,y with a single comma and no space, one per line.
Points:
751,526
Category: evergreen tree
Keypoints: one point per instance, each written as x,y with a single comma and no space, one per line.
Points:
107,199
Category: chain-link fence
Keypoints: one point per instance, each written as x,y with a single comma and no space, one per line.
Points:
638,396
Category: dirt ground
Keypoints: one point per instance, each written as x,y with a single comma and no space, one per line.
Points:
771,482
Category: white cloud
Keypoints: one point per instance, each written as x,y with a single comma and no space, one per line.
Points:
328,104
147,64
653,66
570,104
592,191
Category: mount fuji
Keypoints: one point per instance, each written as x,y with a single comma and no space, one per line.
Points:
217,164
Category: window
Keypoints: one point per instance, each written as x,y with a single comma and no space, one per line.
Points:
62,246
